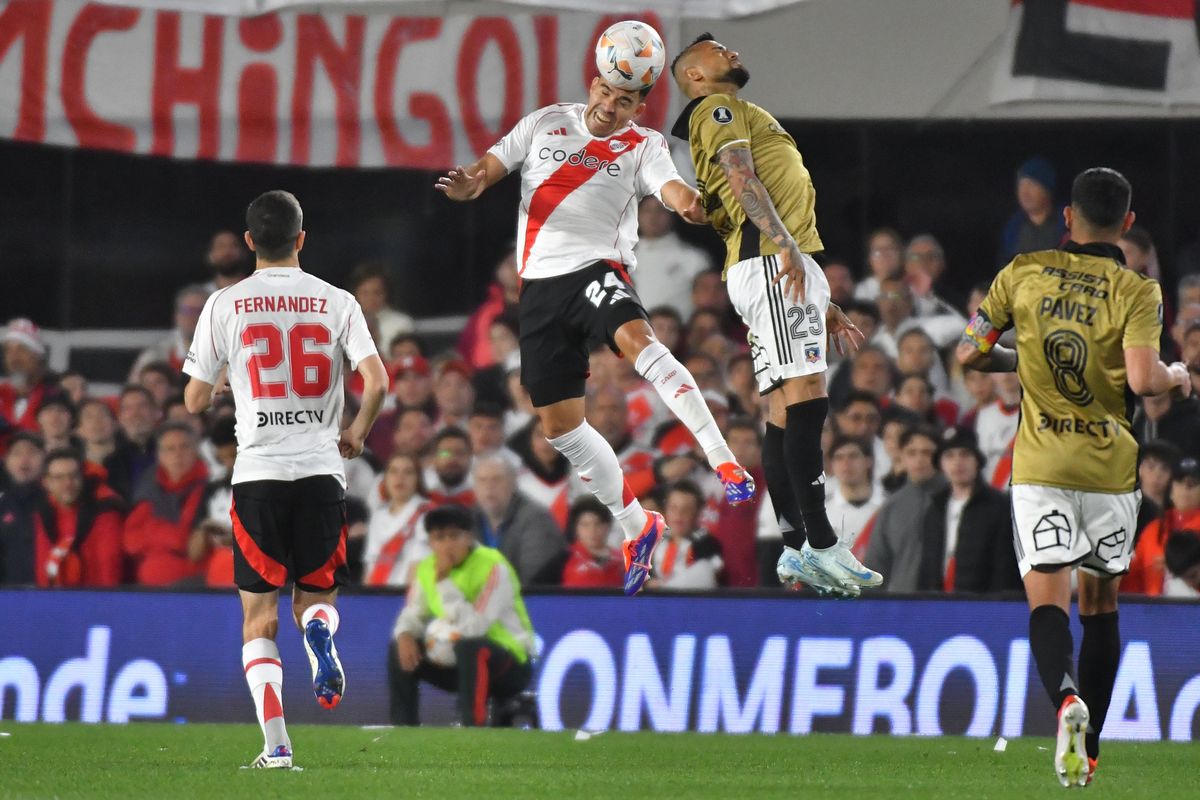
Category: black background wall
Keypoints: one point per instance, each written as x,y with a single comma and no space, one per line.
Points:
91,239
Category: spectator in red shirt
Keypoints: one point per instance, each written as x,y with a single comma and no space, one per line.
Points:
167,508
737,526
77,528
502,296
28,384
593,562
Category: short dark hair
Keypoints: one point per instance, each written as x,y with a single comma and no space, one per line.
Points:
407,337
162,368
666,311
851,441
136,388
744,424
509,320
452,432
1182,551
486,409
917,331
274,220
688,487
918,376
224,431
368,271
61,454
1140,237
865,307
29,438
927,432
1160,450
448,516
177,426
1101,196
858,396
704,37
586,505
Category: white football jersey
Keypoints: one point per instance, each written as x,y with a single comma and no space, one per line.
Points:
579,194
284,335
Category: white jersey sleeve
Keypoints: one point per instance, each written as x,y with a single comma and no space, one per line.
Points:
657,169
514,147
207,354
356,341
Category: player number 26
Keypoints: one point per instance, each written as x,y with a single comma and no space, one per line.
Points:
797,315
309,371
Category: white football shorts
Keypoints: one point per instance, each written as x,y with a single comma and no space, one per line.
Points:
787,339
1053,526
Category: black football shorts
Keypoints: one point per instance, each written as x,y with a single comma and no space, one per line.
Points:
289,527
563,318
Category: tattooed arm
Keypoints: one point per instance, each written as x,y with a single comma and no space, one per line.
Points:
738,166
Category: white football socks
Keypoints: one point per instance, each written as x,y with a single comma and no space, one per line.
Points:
599,469
677,388
264,676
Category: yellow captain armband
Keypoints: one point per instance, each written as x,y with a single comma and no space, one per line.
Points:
981,333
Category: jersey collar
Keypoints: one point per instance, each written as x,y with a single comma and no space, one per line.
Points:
681,127
1101,249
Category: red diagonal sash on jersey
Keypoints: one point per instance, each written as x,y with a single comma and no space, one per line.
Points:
567,179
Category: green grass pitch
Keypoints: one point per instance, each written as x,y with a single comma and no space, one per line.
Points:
189,762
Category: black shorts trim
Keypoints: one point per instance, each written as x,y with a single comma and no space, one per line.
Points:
293,529
562,319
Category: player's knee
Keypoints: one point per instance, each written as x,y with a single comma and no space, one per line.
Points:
633,338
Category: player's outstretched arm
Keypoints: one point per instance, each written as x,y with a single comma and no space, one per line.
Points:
1147,375
684,200
738,165
467,183
375,384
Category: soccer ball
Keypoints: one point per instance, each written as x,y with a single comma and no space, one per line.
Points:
630,55
440,637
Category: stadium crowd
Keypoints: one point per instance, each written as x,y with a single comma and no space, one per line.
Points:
131,489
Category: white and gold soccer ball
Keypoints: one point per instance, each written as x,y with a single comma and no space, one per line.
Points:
440,637
630,55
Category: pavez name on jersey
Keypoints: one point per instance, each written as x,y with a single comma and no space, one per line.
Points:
579,194
1075,311
712,123
283,335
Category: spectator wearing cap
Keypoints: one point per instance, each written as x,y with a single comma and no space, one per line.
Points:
894,546
967,543
173,349
412,387
1182,512
56,423
488,381
474,345
166,509
521,529
667,265
884,249
28,384
852,495
21,494
77,527
592,562
542,471
453,394
736,528
370,284
1171,417
1037,224
689,557
1182,558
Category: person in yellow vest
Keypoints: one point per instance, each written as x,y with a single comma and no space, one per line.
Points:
463,628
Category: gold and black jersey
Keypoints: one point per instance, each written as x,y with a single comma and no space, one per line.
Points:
1075,312
711,124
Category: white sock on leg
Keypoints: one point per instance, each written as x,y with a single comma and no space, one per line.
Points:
596,463
677,388
264,676
323,611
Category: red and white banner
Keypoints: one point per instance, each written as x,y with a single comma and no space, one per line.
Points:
329,89
1122,51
